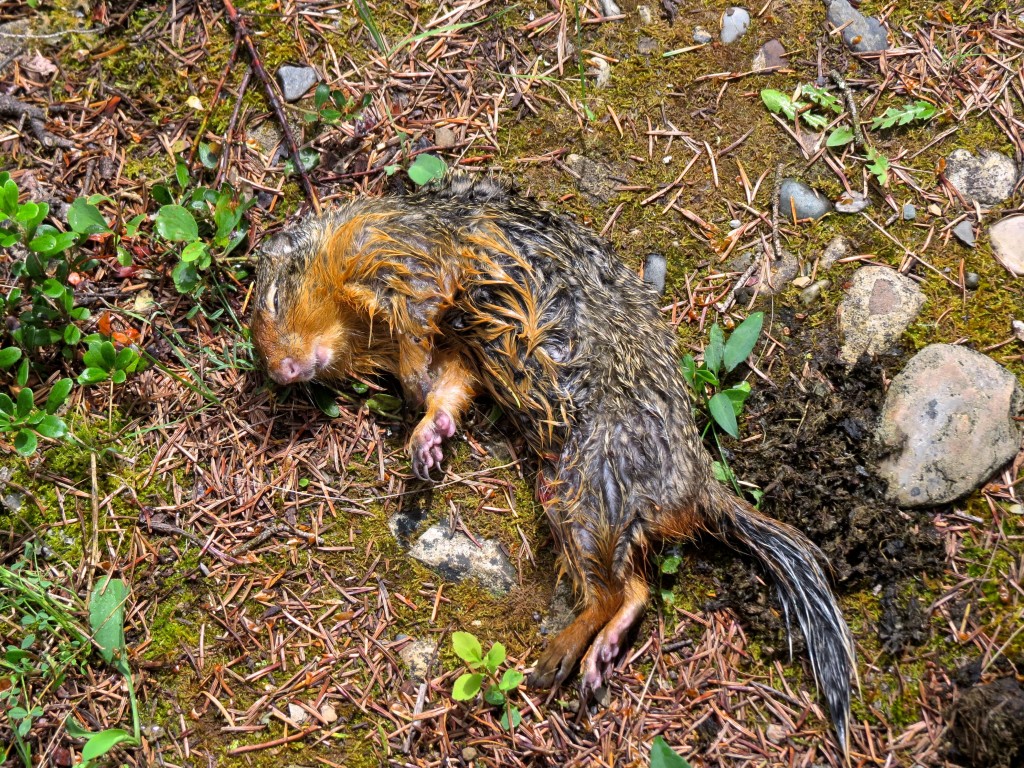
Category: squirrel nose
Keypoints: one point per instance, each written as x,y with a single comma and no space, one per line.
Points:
288,370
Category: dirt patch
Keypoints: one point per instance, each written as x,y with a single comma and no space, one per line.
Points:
987,725
813,462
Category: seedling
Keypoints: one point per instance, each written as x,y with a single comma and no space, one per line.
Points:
485,668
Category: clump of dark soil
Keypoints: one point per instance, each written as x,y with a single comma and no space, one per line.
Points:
987,725
813,464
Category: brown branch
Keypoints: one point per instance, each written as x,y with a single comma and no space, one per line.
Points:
275,103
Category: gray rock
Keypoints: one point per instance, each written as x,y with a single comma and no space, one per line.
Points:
735,22
591,177
644,12
646,45
655,268
806,202
810,295
972,280
701,36
610,8
947,425
909,212
771,55
964,232
852,202
877,308
469,754
780,273
863,34
417,656
454,555
295,81
1007,239
839,247
987,178
444,137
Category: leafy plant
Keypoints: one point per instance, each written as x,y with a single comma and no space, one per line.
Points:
918,111
878,165
103,362
332,106
483,668
427,168
720,357
26,422
663,756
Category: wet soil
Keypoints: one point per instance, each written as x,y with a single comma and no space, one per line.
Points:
987,725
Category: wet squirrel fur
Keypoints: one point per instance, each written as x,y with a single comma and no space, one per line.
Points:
466,287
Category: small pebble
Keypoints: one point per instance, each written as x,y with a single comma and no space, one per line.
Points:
295,81
735,223
972,280
735,22
775,733
964,232
469,753
812,293
655,268
854,202
701,35
909,212
644,12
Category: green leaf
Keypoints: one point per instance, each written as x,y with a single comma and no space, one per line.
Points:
207,156
104,741
126,359
85,218
131,228
6,404
321,95
467,686
106,617
494,657
738,396
52,426
689,368
426,168
25,402
21,377
186,278
9,356
663,756
879,166
93,376
777,102
841,136
511,680
176,224
52,288
325,401
181,174
76,731
722,412
671,564
918,111
822,98
43,243
26,212
118,377
743,340
25,443
58,394
108,354
494,696
517,718
813,119
384,403
715,350
193,251
467,647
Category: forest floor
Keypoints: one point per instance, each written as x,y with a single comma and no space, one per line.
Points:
268,602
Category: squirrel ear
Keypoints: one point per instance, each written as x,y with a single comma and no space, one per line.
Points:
279,246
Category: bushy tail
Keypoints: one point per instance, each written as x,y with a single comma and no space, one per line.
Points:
792,561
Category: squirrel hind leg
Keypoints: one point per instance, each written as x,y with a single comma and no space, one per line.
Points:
606,650
562,653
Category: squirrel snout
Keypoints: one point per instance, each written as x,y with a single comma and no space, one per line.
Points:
289,371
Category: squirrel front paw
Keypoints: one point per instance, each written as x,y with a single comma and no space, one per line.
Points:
425,445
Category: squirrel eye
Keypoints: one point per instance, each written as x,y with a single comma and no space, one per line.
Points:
271,299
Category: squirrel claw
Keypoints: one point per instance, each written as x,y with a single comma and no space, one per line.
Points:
425,446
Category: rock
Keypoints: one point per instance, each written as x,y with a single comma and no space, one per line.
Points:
775,733
852,202
838,248
987,178
987,727
646,45
972,280
947,425
409,517
444,137
469,754
655,268
877,308
592,177
610,8
1017,327
735,22
780,273
456,557
863,34
909,212
601,71
562,610
964,232
811,294
1007,239
771,55
701,36
806,202
328,713
295,81
418,656
297,714
645,15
